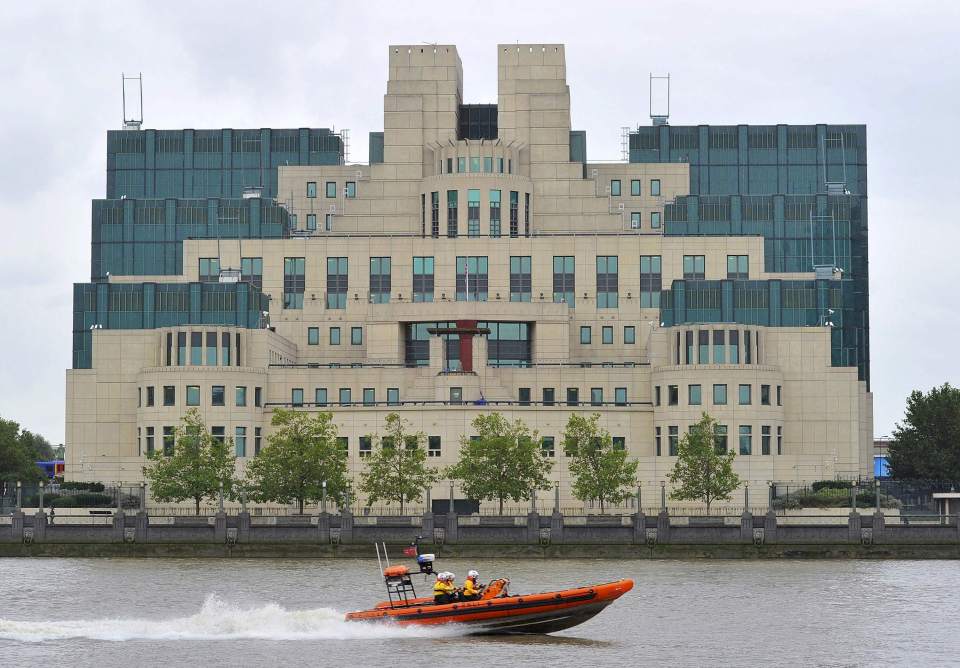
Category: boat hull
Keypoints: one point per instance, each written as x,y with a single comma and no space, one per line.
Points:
528,614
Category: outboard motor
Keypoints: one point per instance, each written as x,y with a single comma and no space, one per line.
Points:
425,562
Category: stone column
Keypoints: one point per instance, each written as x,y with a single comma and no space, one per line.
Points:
854,523
143,526
220,527
663,526
243,527
770,527
16,526
39,527
746,526
119,524
533,527
556,519
346,525
323,527
639,527
879,524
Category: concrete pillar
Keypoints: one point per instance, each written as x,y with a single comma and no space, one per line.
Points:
639,527
556,527
663,526
119,524
143,526
854,523
346,525
323,527
16,525
243,527
746,527
426,526
533,527
879,524
39,527
220,527
770,527
453,527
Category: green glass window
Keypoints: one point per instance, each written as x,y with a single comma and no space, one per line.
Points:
585,334
380,280
356,336
209,270
734,346
473,213
654,220
217,395
694,267
471,278
169,395
351,189
500,165
606,334
461,165
673,439
452,213
615,187
596,396
240,441
620,396
393,396
331,187
435,214
422,279
149,440
311,189
514,213
334,336
294,282
651,280
211,349
548,447
495,213
251,270
629,334
475,165
607,281
337,282
320,396
313,336
369,396
311,221
345,396
719,395
673,395
746,439
488,165
635,187
693,395
296,396
240,396
196,348
765,440
564,280
635,220
738,267
655,187
744,394
193,395
719,347
764,395
257,437
656,439
720,438
168,440
520,280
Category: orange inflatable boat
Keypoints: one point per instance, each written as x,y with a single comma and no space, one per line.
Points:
497,611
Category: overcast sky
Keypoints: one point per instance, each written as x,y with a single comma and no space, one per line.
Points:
892,66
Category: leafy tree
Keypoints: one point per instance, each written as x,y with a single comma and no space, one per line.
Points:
300,456
926,444
600,472
397,470
17,457
35,444
702,473
504,461
196,468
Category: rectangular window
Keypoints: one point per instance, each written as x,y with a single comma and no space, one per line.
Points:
311,189
351,191
694,267
488,164
149,395
573,396
334,336
240,441
673,440
765,440
369,396
694,395
688,340
449,165
734,346
703,344
744,395
629,334
296,396
500,165
719,347
655,187
514,213
251,271
294,282
634,187
607,281
654,220
311,221
452,213
456,395
564,280
606,334
433,446
523,396
615,187
435,214
380,280
328,222
779,440
258,396
673,395
257,437
169,395
474,164
345,396
461,165
149,439
764,395
656,395
548,447
651,280
240,396
620,396
209,270
217,395
313,336
738,267
635,220
495,213
473,213
423,279
619,442
337,282
720,438
393,396
549,396
746,439
366,446
196,348
520,280
779,396
747,348
211,349
656,439
596,396
471,278
218,434
585,334
168,440
193,395
719,395
526,214
331,189
320,396
356,336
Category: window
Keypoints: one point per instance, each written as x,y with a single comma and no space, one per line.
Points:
351,191
474,164
747,348
585,334
734,346
596,396
313,336
607,334
488,164
495,211
217,395
779,440
607,281
673,395
334,336
393,396
764,395
452,212
435,214
656,439
356,336
693,395
240,441
514,213
251,271
380,280
634,187
615,187
719,347
294,282
196,348
456,395
620,396
218,434
564,280
149,395
257,396
331,189
328,222
765,440
520,281
337,282
320,396
461,165
423,279
654,220
369,396
473,213
257,436
209,270
779,396
549,396
619,442
656,395
211,349
433,446
703,343
548,447
673,439
746,439
169,395
655,187
634,220
471,278
720,438
688,340
168,438
296,396
523,396
738,267
650,281
719,395
744,395
311,189
366,446
694,267
573,396
500,165
311,221
526,214
240,396
193,395
629,334
345,396
149,439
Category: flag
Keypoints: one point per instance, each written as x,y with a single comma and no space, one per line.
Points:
410,551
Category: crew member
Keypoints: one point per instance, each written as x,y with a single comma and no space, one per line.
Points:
443,591
471,589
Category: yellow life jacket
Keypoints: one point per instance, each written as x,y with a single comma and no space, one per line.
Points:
442,587
470,588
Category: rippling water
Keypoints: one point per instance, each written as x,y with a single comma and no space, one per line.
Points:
181,612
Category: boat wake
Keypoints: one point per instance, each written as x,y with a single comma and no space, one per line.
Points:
218,620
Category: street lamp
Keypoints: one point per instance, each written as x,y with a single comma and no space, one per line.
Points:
323,487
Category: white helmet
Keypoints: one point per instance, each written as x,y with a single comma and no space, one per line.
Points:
473,574
450,576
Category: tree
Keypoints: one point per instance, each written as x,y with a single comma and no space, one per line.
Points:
197,467
17,458
397,470
504,461
702,473
600,472
36,445
926,445
301,455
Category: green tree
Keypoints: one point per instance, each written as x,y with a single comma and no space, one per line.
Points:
300,456
36,445
600,471
926,445
197,467
504,461
17,458
702,473
397,470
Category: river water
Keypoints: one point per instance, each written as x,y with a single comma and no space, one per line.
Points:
206,612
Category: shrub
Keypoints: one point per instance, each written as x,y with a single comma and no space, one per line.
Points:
83,486
92,500
63,502
830,484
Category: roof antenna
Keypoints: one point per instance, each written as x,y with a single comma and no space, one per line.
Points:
133,121
662,114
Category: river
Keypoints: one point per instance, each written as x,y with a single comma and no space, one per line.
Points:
213,612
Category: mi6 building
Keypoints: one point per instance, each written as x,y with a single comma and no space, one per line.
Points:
480,262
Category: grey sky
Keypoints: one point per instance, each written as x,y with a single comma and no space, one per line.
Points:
893,66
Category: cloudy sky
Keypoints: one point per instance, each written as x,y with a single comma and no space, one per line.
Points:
893,66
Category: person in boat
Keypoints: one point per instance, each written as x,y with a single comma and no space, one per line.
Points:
471,588
443,590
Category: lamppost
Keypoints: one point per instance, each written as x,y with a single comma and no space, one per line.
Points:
323,496
663,495
19,494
